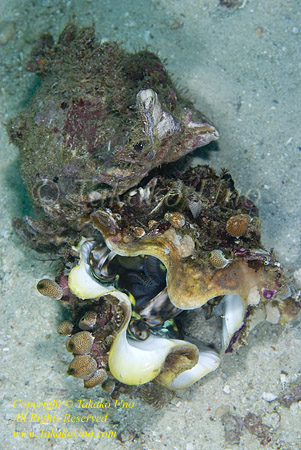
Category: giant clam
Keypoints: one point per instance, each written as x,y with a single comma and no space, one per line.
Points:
146,280
141,243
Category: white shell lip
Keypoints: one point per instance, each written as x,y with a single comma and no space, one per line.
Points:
80,281
209,361
130,362
233,316
136,362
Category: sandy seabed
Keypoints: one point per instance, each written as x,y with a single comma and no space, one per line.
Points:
240,66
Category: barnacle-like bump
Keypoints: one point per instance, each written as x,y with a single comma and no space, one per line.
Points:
50,288
108,341
46,191
176,219
237,225
80,343
288,309
218,260
108,386
88,320
152,223
82,366
99,377
65,328
139,232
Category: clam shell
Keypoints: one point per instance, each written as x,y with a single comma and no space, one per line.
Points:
192,279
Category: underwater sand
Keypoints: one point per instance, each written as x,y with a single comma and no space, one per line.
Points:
242,68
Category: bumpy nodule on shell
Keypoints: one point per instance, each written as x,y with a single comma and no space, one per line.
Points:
50,288
82,366
176,219
218,259
139,232
108,386
88,320
65,328
237,225
80,343
98,378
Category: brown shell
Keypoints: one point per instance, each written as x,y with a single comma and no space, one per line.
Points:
99,377
65,328
82,366
80,343
50,288
99,121
236,226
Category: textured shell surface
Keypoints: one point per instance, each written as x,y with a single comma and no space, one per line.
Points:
147,279
185,250
142,239
99,120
